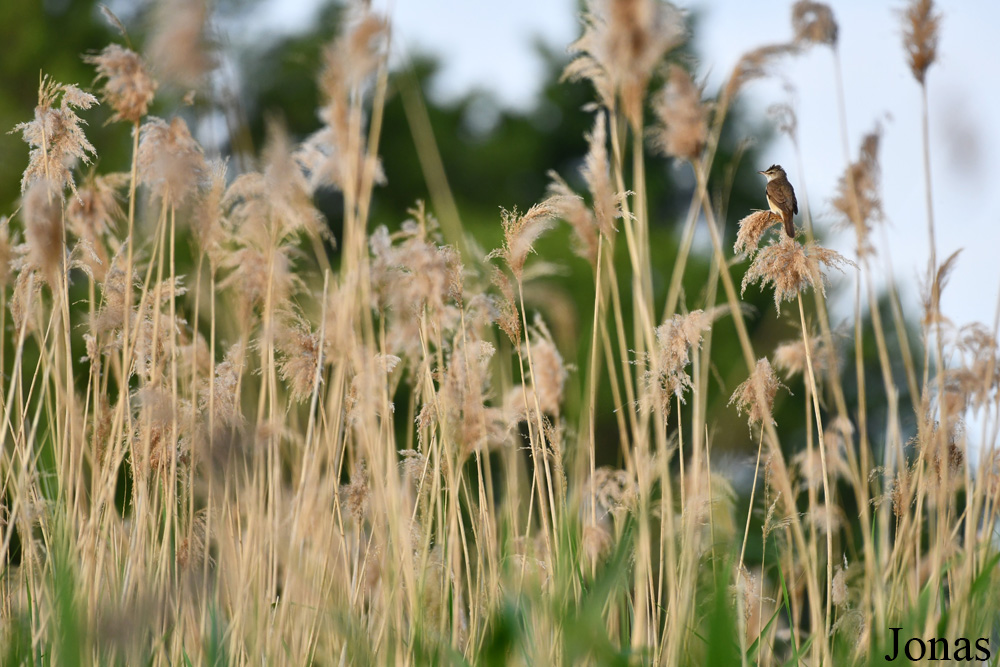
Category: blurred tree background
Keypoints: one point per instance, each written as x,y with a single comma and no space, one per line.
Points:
492,156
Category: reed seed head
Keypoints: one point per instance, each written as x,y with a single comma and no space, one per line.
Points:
623,42
683,119
209,221
614,491
596,171
858,197
44,248
170,161
813,23
752,229
574,211
181,45
56,134
791,268
666,376
299,351
507,315
920,37
92,213
520,231
790,357
128,88
222,395
755,64
755,395
354,497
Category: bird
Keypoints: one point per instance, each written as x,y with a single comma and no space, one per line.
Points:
781,196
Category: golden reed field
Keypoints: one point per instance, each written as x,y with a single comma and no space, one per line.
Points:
231,435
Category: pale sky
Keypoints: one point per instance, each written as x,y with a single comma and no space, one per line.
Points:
488,46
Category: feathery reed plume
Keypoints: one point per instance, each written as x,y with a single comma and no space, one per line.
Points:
364,396
748,587
666,377
298,355
357,52
549,378
980,376
158,427
170,161
414,272
930,295
155,329
574,211
354,497
623,42
792,267
758,406
755,64
785,120
276,201
180,45
825,518
128,88
752,228
596,172
92,213
920,37
209,223
861,205
254,267
709,500
613,491
790,357
840,591
810,462
111,315
595,542
84,256
348,62
221,394
683,119
521,231
113,20
265,211
507,316
465,388
839,434
412,278
191,551
338,331
43,249
55,135
813,23
607,206
195,358
550,372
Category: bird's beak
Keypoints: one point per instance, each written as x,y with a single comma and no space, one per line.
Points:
761,172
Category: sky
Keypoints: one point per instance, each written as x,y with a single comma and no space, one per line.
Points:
486,48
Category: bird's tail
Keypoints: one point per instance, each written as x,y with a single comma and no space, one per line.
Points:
789,225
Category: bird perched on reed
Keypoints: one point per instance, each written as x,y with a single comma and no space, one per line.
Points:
781,196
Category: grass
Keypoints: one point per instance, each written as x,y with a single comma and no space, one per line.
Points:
224,444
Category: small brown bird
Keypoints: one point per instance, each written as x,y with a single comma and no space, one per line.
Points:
781,196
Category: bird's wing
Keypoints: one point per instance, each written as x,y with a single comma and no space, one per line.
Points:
783,197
